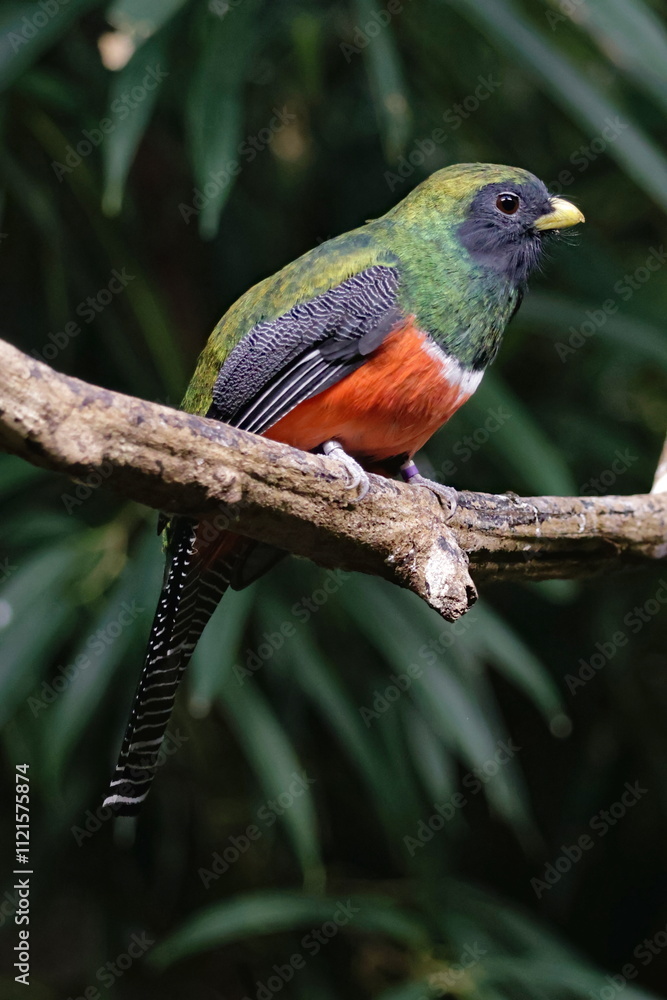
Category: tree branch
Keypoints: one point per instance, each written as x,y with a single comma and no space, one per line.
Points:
184,464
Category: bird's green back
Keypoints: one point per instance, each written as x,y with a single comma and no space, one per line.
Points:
461,304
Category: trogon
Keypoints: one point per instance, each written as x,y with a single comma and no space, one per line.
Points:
361,348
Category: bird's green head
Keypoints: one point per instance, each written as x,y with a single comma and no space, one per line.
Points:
499,214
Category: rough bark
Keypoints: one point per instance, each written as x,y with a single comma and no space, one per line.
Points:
184,464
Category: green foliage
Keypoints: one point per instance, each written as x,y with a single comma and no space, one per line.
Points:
347,779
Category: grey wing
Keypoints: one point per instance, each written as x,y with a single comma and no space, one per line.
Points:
282,362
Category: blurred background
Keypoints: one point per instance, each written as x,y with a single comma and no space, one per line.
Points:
357,799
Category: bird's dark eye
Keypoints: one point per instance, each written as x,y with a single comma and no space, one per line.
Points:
508,203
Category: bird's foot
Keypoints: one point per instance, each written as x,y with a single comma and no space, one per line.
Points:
358,478
448,494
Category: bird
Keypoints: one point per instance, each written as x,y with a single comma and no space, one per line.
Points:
360,349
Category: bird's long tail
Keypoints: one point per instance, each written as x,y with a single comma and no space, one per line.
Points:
198,573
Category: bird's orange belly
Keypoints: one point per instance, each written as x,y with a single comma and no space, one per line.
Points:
389,406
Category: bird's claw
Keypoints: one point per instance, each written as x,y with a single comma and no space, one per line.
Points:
358,478
413,477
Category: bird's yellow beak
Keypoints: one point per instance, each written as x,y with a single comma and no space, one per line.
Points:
563,214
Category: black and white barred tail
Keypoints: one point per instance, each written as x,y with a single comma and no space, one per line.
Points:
192,589
276,365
